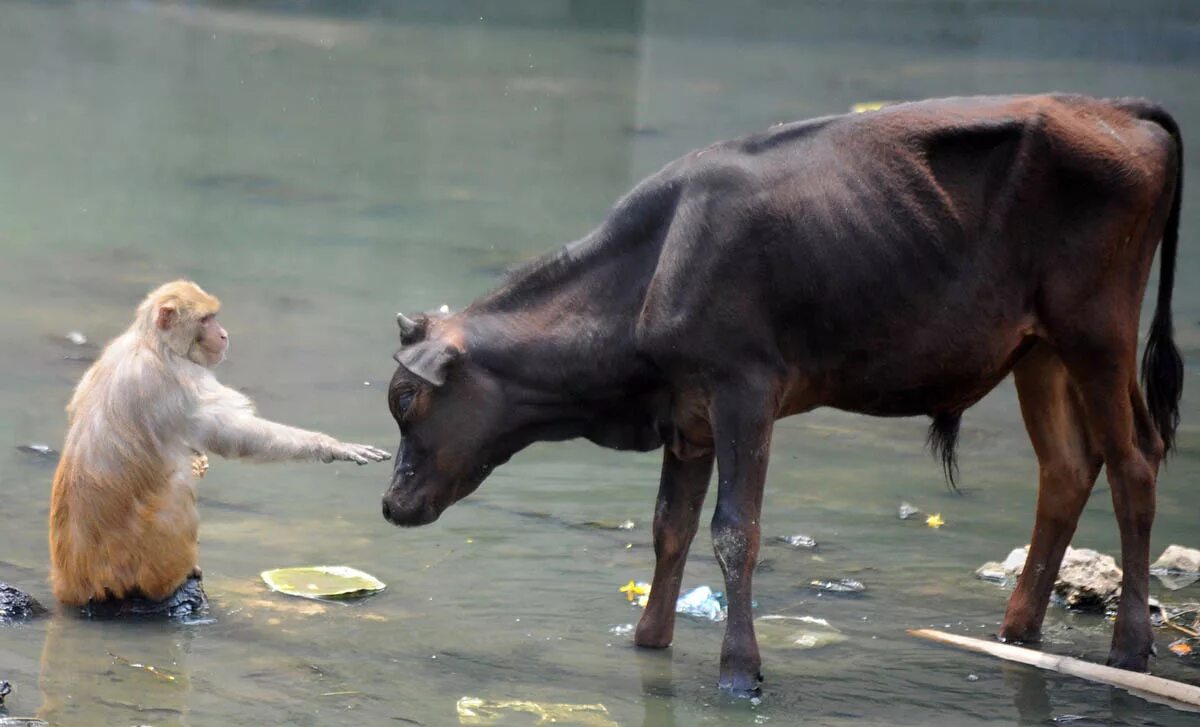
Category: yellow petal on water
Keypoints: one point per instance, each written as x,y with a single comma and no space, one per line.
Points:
638,591
935,521
322,581
1180,648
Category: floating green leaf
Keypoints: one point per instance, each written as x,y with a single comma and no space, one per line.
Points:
322,581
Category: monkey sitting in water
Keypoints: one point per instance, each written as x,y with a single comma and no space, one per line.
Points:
123,518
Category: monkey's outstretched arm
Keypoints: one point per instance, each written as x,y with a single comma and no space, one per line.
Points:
227,425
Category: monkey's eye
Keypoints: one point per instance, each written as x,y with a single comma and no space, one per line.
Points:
208,319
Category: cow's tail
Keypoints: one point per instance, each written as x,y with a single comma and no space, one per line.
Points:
1162,367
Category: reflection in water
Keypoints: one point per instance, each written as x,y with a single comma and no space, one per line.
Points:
108,672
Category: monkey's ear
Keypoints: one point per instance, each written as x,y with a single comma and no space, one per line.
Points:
430,360
166,316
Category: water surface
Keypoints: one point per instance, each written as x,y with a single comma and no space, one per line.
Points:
321,168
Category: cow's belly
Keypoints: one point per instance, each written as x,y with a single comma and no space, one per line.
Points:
921,380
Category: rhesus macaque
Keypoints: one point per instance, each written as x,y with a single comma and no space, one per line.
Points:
123,519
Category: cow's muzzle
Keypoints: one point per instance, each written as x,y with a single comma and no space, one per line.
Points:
409,511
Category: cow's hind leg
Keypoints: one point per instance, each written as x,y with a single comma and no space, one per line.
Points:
676,517
1068,464
744,416
1132,450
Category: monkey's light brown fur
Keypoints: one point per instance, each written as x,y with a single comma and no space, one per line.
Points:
123,519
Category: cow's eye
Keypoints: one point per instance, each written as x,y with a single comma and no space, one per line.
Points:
403,402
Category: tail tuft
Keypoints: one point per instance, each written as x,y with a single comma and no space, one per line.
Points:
942,440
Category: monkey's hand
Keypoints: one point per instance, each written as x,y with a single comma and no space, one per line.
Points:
199,465
358,453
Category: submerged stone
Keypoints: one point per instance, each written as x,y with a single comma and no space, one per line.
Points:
189,601
16,605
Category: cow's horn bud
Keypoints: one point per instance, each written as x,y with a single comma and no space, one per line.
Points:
407,325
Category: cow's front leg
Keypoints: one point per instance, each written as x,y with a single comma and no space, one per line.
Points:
680,496
743,421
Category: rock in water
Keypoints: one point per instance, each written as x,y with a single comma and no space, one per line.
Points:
16,605
1178,559
1087,580
187,602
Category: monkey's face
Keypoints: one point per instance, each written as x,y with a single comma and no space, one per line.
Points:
211,342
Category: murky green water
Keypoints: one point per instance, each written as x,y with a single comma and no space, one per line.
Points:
320,169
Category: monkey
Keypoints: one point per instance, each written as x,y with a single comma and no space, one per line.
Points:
123,516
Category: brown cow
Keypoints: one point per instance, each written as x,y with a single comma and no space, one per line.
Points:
896,263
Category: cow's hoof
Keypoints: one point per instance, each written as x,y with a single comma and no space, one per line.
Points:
1128,661
742,687
1015,636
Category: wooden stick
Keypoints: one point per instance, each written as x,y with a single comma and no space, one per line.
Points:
1140,684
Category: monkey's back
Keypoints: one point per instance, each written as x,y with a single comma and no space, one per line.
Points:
123,517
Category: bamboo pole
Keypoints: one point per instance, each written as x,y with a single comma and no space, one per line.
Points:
1141,684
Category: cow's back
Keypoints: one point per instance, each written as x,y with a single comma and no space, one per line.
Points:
820,244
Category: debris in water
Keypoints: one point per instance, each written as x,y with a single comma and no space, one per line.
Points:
322,581
907,511
796,632
621,630
972,677
841,585
639,592
44,451
935,521
703,602
5,690
23,722
77,338
610,524
1178,567
144,667
473,710
1182,647
798,541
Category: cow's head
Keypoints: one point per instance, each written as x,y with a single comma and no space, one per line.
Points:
455,420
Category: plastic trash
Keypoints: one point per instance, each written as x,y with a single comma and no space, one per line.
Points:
798,541
473,710
935,521
841,585
703,603
5,690
322,581
796,632
907,511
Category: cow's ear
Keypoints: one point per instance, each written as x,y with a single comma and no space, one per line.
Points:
430,360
